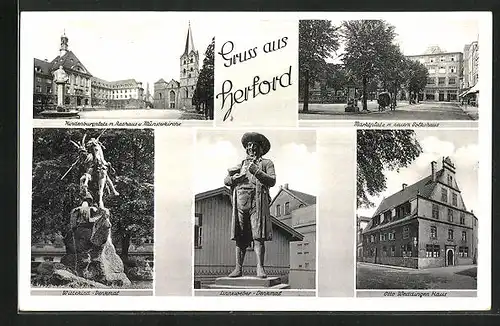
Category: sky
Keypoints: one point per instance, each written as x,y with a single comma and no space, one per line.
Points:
293,153
120,45
415,33
460,145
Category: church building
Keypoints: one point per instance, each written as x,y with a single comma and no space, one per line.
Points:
179,94
423,225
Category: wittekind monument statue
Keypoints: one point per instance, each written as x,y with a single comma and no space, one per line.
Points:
90,252
250,181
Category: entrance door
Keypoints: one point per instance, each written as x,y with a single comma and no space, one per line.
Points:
441,96
448,98
449,257
78,101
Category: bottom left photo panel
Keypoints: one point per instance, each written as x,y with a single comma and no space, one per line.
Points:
93,214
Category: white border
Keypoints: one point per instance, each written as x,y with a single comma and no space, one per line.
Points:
95,303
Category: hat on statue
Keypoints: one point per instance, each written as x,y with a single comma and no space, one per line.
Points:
256,138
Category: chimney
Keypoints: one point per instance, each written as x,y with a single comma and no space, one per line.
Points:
433,170
285,186
404,186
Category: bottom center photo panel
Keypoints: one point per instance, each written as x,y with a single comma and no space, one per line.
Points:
255,212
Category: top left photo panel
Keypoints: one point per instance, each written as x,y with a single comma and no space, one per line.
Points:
117,65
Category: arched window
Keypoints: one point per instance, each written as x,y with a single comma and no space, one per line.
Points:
160,95
184,71
187,93
172,96
191,60
191,69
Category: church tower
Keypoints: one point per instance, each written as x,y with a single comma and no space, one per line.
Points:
64,45
190,69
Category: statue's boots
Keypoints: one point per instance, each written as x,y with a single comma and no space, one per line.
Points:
260,250
240,256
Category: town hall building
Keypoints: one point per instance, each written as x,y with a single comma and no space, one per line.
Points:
179,94
423,225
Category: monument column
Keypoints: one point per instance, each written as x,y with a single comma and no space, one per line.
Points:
60,78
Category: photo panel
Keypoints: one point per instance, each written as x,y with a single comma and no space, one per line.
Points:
376,67
418,212
92,220
255,212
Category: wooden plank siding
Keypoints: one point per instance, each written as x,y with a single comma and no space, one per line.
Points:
215,257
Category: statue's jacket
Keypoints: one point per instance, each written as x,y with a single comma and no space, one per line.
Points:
265,178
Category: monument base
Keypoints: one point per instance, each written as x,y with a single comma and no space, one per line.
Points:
60,114
249,282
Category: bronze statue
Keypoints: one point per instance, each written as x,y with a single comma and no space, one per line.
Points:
250,182
91,156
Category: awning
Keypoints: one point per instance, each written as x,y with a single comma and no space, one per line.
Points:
471,90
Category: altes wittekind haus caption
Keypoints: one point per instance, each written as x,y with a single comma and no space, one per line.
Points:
179,94
291,254
423,225
83,90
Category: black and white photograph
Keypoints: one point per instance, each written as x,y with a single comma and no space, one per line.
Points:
255,210
92,223
417,199
86,65
420,66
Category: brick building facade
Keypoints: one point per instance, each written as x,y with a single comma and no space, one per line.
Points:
423,225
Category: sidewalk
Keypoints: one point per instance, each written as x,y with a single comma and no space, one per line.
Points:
339,108
471,111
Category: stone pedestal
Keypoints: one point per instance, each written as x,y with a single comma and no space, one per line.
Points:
60,94
249,282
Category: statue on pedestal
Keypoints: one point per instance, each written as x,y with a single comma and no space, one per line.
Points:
60,78
90,253
250,182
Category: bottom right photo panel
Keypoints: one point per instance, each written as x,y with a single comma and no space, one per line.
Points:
416,218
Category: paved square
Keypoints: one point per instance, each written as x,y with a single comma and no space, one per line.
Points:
380,277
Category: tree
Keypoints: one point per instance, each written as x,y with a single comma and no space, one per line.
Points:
317,40
416,79
380,150
204,92
394,71
131,153
367,44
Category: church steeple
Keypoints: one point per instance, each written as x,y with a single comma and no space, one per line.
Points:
64,44
189,41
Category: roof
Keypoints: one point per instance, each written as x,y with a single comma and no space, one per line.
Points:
422,187
296,236
44,66
189,47
306,199
369,228
161,80
364,218
69,61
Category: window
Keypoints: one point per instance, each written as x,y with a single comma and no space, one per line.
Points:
372,238
189,75
49,89
450,234
392,235
452,58
432,70
387,216
454,199
306,265
444,195
191,60
384,251
475,222
48,258
441,59
393,251
197,230
450,180
433,232
287,208
406,250
463,252
278,210
403,210
435,211
48,81
464,235
450,214
451,81
453,69
38,89
376,220
184,71
431,60
191,69
441,80
406,232
431,251
431,81
38,79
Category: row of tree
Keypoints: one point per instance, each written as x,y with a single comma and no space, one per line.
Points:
370,59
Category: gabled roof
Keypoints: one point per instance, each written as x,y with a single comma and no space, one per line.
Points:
160,81
44,66
225,191
175,82
304,198
423,187
69,61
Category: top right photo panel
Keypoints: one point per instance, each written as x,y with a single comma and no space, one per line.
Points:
419,66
